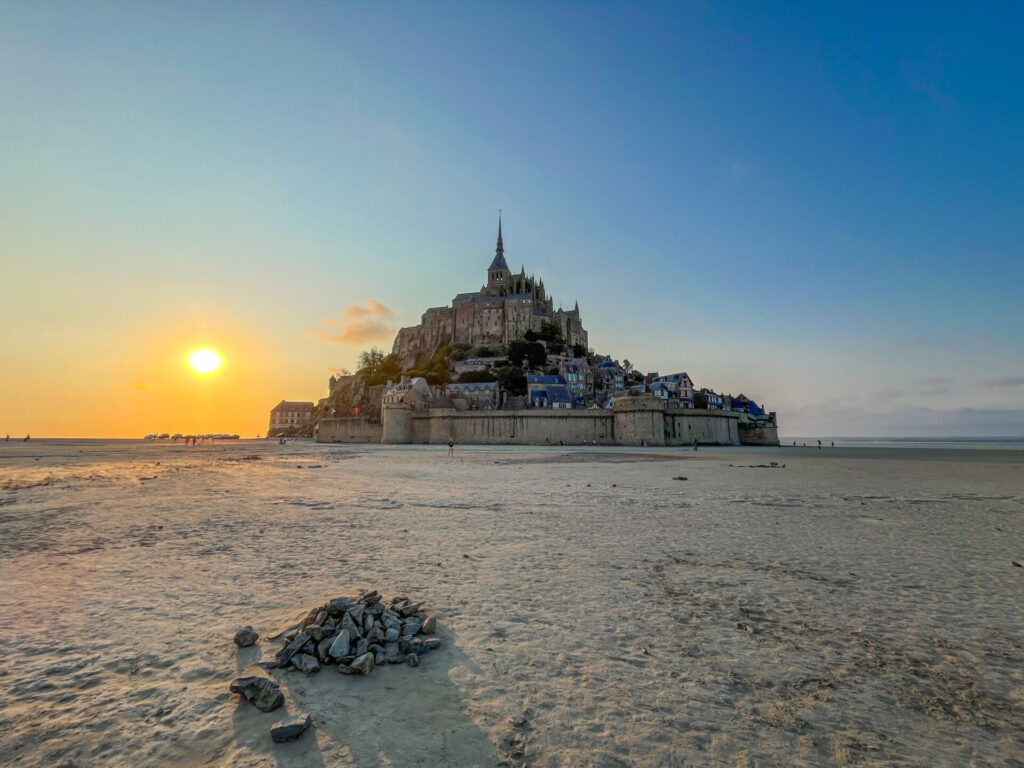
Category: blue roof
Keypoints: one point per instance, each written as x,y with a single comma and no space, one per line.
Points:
499,262
535,378
559,395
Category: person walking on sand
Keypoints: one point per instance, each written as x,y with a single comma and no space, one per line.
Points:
451,445
819,445
695,444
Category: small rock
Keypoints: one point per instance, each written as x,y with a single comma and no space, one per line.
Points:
1017,564
429,624
261,692
305,663
341,645
245,637
323,650
348,623
431,643
517,721
268,665
363,664
391,635
356,612
679,477
409,610
290,728
412,660
362,647
395,658
286,653
411,627
368,598
368,623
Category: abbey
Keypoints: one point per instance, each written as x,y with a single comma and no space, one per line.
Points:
502,311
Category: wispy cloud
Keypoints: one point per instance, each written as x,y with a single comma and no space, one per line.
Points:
1004,381
358,324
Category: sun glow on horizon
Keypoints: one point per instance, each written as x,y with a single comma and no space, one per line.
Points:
204,361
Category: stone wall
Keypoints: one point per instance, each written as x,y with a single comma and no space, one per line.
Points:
350,429
684,425
759,436
635,420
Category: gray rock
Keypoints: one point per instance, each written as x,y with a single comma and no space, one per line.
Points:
310,618
305,663
411,627
286,653
290,728
405,645
268,665
369,598
356,612
317,632
367,623
342,644
392,635
364,664
321,617
380,658
409,610
346,668
261,692
348,623
395,658
390,619
412,660
338,606
377,634
431,643
429,625
323,650
309,647
362,647
245,637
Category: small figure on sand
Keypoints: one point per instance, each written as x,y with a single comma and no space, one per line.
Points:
451,445
695,444
27,438
819,445
7,439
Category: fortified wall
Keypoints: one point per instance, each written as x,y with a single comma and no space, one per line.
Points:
349,429
633,421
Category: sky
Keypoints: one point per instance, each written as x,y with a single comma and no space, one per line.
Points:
819,206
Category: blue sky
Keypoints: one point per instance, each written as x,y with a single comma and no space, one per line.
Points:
818,206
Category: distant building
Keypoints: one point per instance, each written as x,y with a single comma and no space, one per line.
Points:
548,392
416,392
578,377
288,416
475,396
715,402
675,388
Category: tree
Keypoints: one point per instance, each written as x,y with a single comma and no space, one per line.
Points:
551,332
513,380
369,361
475,377
700,400
578,350
531,351
626,365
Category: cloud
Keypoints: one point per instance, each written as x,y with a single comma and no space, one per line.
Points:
1004,381
358,324
141,385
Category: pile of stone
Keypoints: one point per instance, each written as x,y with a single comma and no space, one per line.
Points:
356,634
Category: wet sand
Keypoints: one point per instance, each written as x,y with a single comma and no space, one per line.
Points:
857,607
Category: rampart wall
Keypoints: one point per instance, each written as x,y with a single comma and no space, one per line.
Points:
349,429
633,421
759,436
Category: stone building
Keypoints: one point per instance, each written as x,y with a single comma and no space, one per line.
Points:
288,416
502,311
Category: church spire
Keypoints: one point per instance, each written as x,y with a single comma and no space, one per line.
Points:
499,254
500,248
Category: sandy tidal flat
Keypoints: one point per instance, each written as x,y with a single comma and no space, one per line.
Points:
838,611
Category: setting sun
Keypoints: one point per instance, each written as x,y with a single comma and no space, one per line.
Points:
204,361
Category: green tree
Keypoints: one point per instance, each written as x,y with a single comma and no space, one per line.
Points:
700,400
369,361
513,380
578,350
531,351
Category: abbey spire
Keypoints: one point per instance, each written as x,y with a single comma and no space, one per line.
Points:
498,263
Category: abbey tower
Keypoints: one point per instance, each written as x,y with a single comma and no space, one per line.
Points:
502,311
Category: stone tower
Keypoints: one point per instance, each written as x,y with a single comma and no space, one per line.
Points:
498,274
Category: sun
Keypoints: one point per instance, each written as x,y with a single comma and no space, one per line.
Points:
204,361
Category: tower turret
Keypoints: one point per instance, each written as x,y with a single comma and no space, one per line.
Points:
498,273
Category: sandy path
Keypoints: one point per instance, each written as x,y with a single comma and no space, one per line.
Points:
834,612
